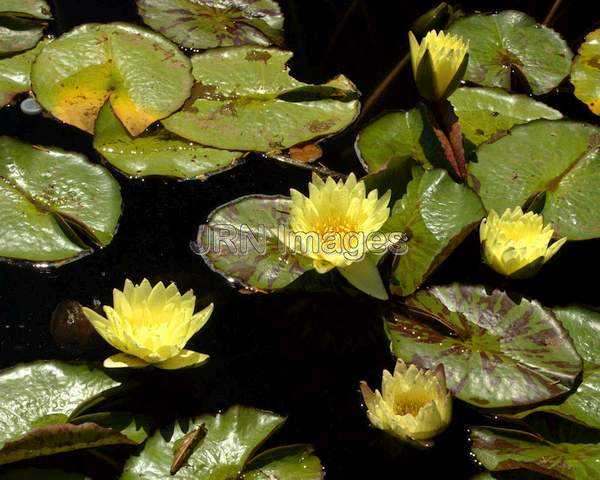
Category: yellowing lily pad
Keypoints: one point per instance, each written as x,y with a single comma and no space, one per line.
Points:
585,75
206,24
245,99
48,197
143,75
15,74
22,24
512,41
157,152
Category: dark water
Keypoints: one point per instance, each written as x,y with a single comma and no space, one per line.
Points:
298,355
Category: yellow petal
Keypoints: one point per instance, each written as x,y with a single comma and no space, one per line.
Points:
199,320
185,359
365,277
122,360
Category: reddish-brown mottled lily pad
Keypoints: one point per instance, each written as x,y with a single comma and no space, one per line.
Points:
496,352
206,24
583,405
500,449
143,75
245,99
239,241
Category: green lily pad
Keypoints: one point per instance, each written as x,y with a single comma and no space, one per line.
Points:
583,405
500,449
39,474
41,401
511,41
240,242
245,99
483,113
397,137
486,113
143,75
436,214
230,440
295,462
22,24
585,75
556,159
495,352
15,74
156,152
206,24
47,194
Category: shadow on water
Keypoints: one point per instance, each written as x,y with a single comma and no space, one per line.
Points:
299,355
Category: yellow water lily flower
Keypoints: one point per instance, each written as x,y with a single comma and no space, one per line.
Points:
151,326
414,405
517,244
334,227
439,63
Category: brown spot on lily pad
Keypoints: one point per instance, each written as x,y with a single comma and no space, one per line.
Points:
320,126
258,56
594,62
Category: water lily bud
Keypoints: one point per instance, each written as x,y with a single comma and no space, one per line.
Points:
333,227
151,326
517,244
414,405
439,64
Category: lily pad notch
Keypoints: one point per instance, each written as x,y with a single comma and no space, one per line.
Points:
55,206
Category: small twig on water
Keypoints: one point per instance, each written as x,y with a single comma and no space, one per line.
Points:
384,85
552,13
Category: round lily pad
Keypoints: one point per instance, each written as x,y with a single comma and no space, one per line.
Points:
483,113
220,452
22,24
207,24
245,99
486,113
15,74
48,198
143,75
585,75
583,405
42,404
240,241
511,41
500,449
496,352
555,161
156,152
436,214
